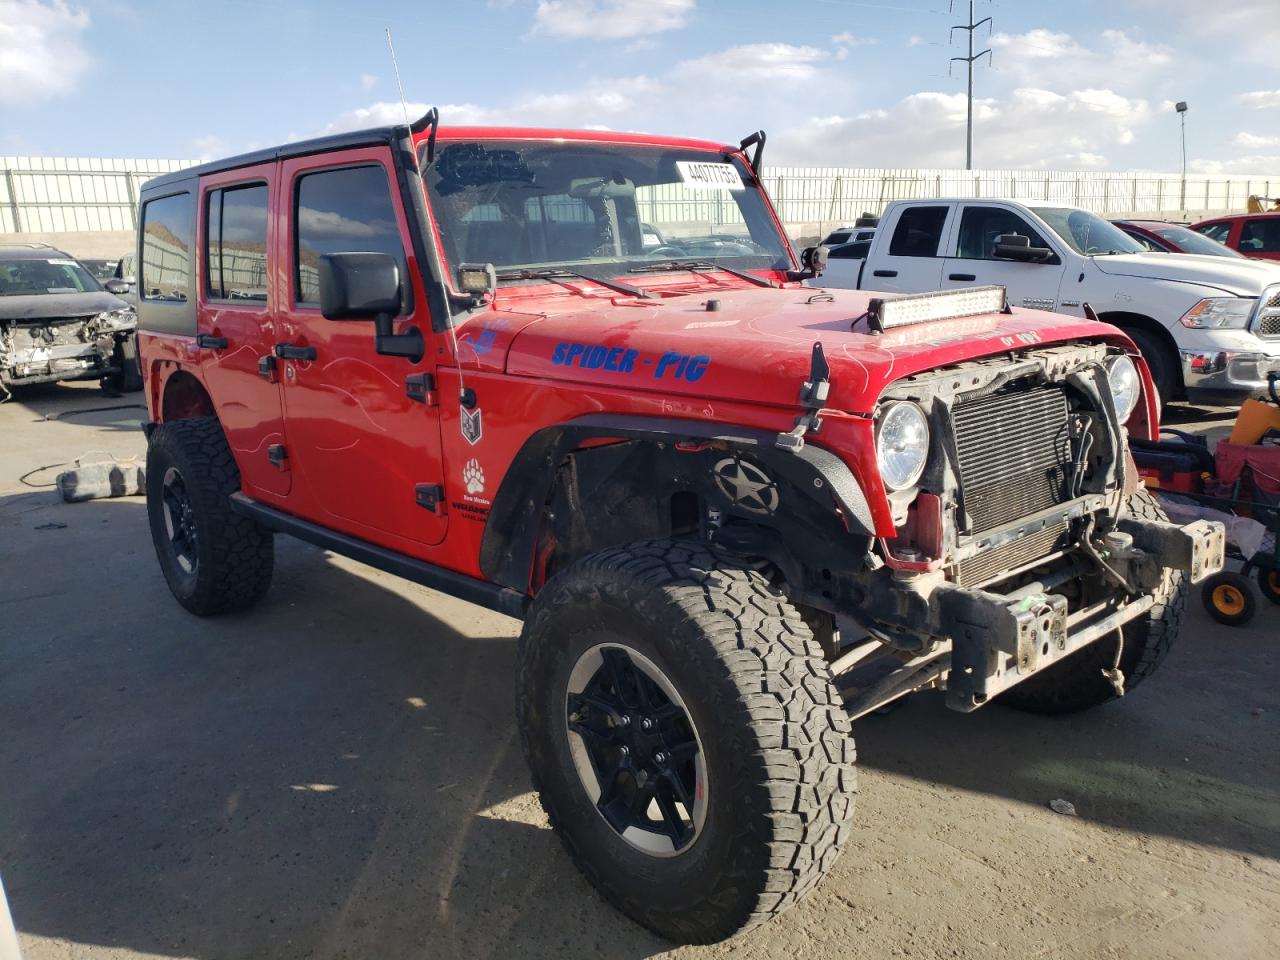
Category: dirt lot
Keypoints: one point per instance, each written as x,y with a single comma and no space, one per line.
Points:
336,774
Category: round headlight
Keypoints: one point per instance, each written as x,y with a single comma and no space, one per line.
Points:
1126,386
902,444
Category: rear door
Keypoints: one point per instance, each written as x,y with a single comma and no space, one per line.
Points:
362,447
236,325
908,251
1260,238
972,261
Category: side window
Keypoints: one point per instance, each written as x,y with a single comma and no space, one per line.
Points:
979,227
342,211
166,248
919,232
851,251
236,243
1260,236
1216,231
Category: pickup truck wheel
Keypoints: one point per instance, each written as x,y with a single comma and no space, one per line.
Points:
683,732
214,559
1077,683
1161,361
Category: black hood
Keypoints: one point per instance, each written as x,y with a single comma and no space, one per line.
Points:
44,306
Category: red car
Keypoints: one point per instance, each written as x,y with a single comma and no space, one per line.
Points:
451,355
1255,235
1160,236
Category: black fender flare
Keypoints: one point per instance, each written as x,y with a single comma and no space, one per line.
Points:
511,529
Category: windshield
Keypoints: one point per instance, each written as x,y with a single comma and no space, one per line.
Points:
1191,242
26,277
1087,233
608,208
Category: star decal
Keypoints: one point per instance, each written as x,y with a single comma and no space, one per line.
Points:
746,485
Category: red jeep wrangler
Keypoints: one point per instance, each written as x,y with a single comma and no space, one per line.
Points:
576,377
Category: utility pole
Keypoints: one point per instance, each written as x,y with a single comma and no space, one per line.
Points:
970,27
1181,107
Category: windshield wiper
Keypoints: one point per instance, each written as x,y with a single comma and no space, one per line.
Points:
554,273
701,266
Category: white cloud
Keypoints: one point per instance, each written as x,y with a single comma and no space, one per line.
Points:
368,81
915,40
1249,27
1039,44
847,39
1131,52
40,51
1251,141
1056,60
1030,128
755,61
1264,165
209,147
610,19
1260,99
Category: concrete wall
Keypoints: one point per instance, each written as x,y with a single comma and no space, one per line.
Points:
101,244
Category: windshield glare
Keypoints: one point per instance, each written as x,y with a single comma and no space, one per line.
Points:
27,277
609,208
1087,233
1192,242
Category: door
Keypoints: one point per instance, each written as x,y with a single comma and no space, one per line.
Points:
911,262
973,263
1261,238
236,327
359,445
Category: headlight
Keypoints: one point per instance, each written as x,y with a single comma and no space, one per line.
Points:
902,444
121,319
1220,313
1126,386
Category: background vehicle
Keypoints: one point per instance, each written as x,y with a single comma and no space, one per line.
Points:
1255,235
450,354
1208,327
102,270
1160,236
843,263
58,323
843,235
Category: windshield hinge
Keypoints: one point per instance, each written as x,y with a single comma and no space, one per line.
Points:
757,140
813,397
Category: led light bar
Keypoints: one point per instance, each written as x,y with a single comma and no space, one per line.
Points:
885,313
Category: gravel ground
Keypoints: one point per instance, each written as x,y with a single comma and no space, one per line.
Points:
336,774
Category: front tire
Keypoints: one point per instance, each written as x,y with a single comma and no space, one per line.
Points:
715,670
1077,683
214,559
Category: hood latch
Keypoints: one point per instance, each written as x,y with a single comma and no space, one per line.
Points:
813,397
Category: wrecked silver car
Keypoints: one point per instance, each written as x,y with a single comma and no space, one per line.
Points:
57,322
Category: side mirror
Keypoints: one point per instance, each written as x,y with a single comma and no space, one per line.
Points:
814,260
366,286
116,286
1014,246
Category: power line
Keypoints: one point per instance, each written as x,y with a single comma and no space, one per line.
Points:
968,61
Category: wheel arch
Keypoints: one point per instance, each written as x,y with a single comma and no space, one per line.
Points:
602,480
182,396
1127,320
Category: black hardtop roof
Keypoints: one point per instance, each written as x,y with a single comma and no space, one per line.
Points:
375,136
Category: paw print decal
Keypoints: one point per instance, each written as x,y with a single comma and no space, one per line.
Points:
473,477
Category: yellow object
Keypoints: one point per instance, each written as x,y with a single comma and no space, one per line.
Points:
1228,599
1255,419
1258,205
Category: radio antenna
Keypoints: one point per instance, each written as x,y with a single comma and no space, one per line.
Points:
466,397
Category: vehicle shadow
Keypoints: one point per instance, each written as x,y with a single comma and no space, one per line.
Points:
336,773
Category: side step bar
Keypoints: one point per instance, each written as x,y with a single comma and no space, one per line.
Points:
502,599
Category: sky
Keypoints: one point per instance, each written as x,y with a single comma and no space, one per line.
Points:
1071,84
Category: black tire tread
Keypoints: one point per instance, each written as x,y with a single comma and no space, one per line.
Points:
235,568
797,753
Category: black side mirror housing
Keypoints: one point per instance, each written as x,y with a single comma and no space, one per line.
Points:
1014,246
366,286
116,286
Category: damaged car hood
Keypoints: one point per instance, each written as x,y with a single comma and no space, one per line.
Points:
32,307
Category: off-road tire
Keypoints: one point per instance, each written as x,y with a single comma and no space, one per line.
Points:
234,554
775,736
128,378
1077,683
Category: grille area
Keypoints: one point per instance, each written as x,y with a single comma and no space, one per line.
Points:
1268,324
986,566
1012,449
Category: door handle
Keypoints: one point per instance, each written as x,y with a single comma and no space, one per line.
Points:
207,341
289,351
961,276
884,273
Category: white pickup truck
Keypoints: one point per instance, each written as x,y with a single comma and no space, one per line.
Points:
1209,327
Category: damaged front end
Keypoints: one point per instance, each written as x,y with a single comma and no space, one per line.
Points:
1016,546
48,349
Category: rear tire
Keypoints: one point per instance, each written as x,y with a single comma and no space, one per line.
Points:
773,784
1077,683
214,559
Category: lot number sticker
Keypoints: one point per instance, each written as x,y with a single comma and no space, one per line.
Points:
709,176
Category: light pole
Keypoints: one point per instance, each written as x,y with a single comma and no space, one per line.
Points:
1181,107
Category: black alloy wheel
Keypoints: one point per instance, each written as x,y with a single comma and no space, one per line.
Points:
179,522
636,750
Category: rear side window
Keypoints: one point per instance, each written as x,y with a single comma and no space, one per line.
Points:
342,211
166,248
236,243
919,232
979,227
851,251
1216,231
1260,236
